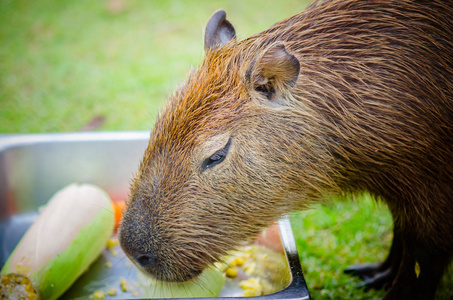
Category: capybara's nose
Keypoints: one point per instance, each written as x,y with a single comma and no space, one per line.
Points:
146,260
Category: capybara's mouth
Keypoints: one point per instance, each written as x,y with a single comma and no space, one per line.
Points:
167,275
150,266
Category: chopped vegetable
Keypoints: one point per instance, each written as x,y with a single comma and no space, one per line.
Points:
98,295
252,287
207,284
118,207
65,239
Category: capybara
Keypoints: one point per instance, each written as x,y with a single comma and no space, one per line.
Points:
346,97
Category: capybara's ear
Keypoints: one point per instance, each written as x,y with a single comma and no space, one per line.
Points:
219,31
273,70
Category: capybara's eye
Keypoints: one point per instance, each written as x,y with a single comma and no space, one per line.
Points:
216,158
267,89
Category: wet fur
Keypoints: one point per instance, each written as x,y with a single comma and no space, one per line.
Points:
372,110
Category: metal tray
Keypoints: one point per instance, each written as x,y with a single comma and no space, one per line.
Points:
34,166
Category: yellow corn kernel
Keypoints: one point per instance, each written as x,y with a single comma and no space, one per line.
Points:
231,272
112,243
98,295
123,285
238,261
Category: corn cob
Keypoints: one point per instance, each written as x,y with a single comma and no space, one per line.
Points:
65,239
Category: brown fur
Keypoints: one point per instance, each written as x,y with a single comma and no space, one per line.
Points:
372,110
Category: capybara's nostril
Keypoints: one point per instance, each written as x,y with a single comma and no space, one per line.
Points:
147,260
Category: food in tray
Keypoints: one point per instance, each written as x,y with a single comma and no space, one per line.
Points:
78,223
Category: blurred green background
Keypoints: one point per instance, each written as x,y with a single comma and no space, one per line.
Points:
109,65
65,63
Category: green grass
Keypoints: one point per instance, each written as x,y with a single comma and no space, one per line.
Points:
64,63
333,236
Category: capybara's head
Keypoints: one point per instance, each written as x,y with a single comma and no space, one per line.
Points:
222,161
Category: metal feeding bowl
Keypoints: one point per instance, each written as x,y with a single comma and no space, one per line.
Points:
33,167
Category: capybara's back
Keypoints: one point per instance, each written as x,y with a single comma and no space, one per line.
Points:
343,98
